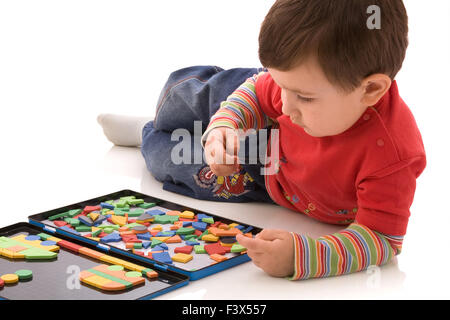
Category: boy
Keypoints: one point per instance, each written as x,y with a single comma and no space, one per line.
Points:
349,148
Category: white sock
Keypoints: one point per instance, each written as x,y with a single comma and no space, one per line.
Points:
123,130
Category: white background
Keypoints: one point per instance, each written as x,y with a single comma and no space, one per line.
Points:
64,62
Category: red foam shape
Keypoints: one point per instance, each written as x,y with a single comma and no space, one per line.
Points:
214,248
216,224
60,223
69,245
185,219
185,249
88,209
198,232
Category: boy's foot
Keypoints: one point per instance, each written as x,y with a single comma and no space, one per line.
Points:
123,130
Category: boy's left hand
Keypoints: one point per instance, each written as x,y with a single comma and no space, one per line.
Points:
271,250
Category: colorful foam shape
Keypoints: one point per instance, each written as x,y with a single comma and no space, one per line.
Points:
155,212
112,237
144,236
163,257
111,279
199,225
19,248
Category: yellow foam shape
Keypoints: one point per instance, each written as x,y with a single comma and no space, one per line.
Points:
187,214
11,254
112,260
210,238
163,239
123,263
93,238
158,227
232,225
121,221
96,281
54,239
35,243
182,257
93,216
132,266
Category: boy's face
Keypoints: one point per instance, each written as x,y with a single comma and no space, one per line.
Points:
313,103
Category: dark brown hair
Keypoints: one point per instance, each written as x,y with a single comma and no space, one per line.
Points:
336,32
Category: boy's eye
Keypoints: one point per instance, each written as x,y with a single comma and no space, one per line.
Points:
304,99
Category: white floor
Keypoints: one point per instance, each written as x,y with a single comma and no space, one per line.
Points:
62,64
60,177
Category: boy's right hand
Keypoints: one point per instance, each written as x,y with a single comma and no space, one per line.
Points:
218,141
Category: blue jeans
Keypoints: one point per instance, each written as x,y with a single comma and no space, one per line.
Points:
194,94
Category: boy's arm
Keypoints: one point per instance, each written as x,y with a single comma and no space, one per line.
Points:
351,250
384,199
241,110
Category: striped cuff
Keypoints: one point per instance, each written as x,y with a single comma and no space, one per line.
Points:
351,250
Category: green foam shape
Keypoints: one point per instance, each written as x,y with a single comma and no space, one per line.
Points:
38,254
237,248
185,231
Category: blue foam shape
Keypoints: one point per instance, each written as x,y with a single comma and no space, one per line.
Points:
192,243
166,234
199,225
158,248
146,244
163,245
108,216
86,220
112,237
99,220
248,229
187,223
66,228
48,243
200,216
163,257
107,205
240,227
144,236
32,238
155,212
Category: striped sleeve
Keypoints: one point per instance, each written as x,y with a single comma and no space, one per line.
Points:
241,110
351,250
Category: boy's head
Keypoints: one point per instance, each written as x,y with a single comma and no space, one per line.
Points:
329,60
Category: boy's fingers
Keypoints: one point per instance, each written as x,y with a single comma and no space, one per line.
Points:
254,244
271,234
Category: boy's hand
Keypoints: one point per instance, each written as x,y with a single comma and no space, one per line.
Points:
271,250
217,143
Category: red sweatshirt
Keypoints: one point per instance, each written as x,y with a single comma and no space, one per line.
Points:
367,173
364,177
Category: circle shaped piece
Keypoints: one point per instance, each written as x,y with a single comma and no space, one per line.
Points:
48,243
32,238
115,268
24,274
10,278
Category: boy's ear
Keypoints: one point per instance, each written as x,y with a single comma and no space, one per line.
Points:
374,87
